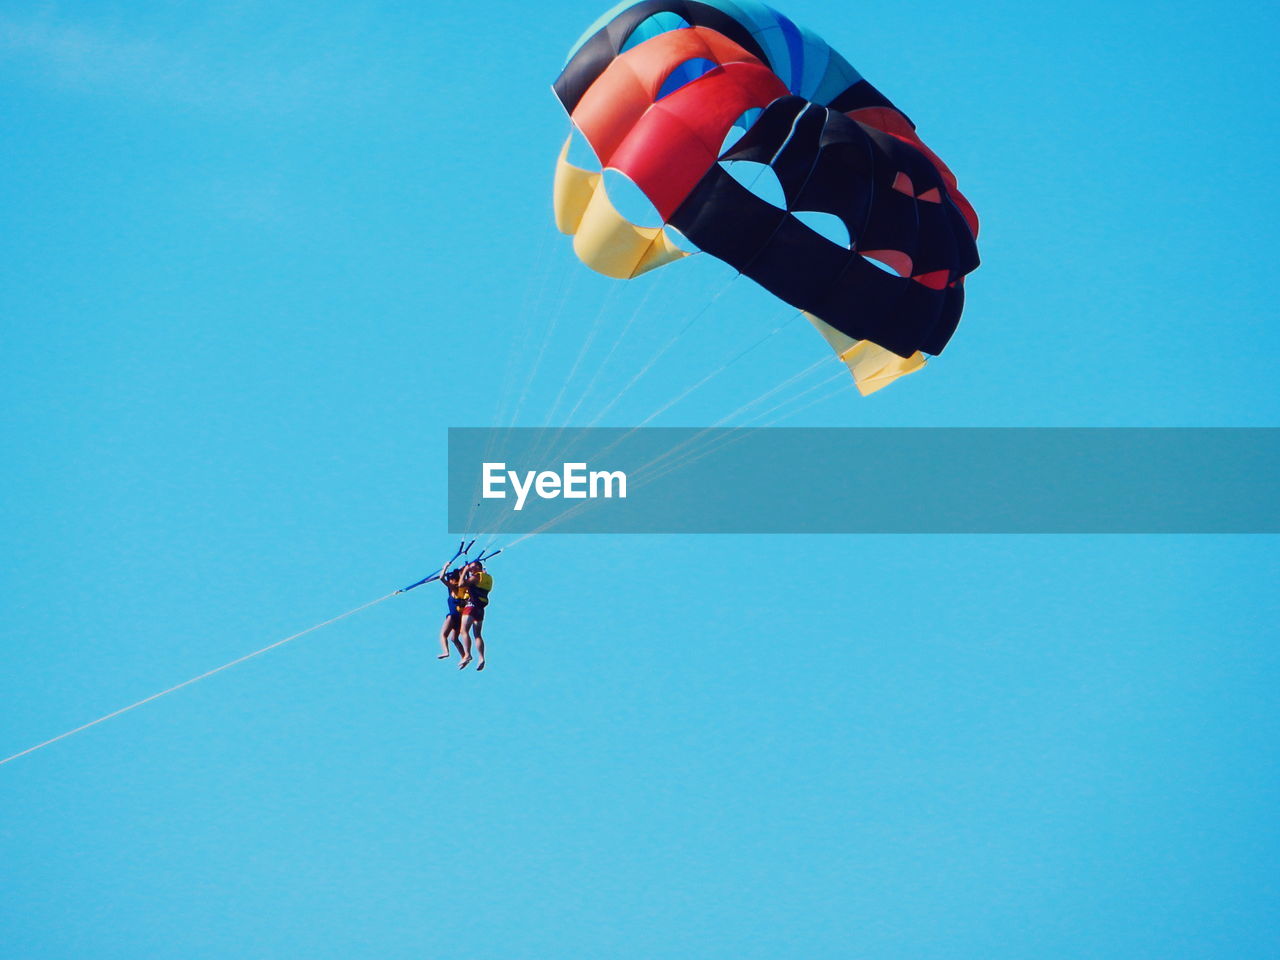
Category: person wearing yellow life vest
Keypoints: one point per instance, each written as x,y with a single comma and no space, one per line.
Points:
477,583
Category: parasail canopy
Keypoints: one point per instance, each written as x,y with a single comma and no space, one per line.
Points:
674,94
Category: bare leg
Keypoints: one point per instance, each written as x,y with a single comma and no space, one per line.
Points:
466,641
477,627
448,631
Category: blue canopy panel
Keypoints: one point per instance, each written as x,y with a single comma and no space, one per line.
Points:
800,58
658,23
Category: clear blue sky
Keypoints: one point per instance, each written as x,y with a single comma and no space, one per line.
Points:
257,257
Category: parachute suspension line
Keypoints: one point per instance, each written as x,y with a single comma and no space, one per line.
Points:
643,478
563,450
842,390
556,447
529,377
647,474
203,676
541,278
595,377
652,361
596,326
716,372
497,530
662,350
743,408
737,433
544,450
729,440
710,376
547,337
841,375
824,361
531,306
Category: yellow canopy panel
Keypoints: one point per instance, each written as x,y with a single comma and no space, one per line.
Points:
602,238
873,367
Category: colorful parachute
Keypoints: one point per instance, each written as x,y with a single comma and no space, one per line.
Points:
669,92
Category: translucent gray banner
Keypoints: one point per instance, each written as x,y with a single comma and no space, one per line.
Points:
943,480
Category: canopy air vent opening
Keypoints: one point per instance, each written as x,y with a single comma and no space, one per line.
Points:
580,152
684,74
902,183
629,200
680,241
826,225
890,261
739,128
758,178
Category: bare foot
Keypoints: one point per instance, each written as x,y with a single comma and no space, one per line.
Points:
442,656
479,666
463,664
